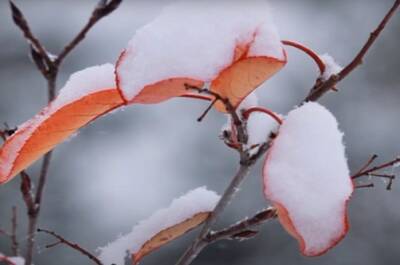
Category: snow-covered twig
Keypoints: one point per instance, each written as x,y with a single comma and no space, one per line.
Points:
321,87
77,247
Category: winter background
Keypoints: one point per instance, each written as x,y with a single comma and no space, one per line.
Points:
126,165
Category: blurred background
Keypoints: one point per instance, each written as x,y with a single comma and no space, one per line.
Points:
126,165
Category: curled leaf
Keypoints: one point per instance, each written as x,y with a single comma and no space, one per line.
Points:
165,225
87,95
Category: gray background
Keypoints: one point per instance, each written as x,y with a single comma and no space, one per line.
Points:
126,165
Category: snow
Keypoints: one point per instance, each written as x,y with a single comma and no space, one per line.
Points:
89,80
331,66
306,171
259,128
197,40
84,82
196,201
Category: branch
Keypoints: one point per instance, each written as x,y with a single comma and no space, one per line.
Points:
103,9
77,247
243,229
246,163
368,171
321,87
20,21
237,122
14,241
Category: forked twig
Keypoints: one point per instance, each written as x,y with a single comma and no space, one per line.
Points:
77,247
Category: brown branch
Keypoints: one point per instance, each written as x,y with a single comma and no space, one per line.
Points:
72,245
49,68
321,87
21,22
237,122
103,9
362,186
368,171
243,229
246,163
14,224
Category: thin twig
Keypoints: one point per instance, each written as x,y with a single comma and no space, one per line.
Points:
237,122
103,9
14,225
363,186
321,87
236,231
20,21
372,170
72,245
367,164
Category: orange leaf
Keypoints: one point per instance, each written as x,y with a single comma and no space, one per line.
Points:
169,234
42,133
242,77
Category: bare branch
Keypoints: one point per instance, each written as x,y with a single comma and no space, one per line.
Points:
321,87
367,171
14,224
72,245
243,229
372,171
21,22
103,9
362,186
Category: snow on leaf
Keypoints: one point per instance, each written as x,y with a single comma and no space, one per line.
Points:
236,53
87,95
307,178
165,225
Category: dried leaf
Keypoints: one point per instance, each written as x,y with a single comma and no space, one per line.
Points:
168,235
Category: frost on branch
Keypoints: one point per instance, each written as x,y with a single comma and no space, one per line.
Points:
236,54
87,94
184,214
306,176
331,66
259,128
